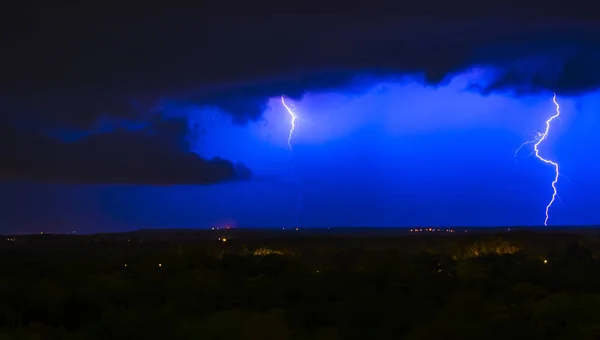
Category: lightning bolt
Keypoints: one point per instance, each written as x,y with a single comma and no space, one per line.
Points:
293,117
292,123
539,138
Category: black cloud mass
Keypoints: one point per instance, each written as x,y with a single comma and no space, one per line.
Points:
67,70
153,155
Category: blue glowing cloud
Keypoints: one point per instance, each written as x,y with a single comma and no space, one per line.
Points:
399,153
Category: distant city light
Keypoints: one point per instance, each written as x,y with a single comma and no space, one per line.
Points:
433,230
126,265
160,264
545,261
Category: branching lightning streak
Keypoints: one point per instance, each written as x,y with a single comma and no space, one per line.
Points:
538,136
293,122
538,140
289,142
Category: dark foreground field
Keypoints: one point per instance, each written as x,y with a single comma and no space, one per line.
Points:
305,284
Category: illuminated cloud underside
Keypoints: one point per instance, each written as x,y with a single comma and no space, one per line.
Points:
399,153
395,110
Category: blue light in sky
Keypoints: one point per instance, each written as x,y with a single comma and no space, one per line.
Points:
398,154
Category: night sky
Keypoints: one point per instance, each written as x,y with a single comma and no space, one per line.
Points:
163,119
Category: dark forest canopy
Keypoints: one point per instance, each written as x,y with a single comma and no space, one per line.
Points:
124,286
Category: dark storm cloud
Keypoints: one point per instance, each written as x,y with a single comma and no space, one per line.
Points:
292,55
69,69
155,155
574,74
